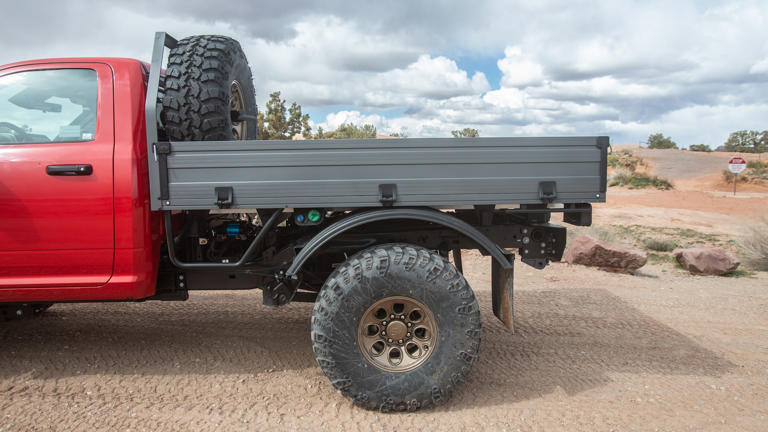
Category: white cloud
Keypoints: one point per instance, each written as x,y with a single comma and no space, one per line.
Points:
760,67
605,87
519,70
434,78
511,98
699,124
334,120
691,68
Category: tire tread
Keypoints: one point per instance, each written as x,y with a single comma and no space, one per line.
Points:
383,258
196,98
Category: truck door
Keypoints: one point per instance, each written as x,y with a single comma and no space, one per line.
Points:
56,183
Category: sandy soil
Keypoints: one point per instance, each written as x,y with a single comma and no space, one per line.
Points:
742,206
592,351
696,171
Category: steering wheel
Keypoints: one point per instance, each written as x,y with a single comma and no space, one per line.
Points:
14,128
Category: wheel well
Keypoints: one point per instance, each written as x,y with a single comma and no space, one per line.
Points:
373,216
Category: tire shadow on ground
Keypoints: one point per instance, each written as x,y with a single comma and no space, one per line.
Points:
574,339
570,338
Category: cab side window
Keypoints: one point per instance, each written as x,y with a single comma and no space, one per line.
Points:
48,106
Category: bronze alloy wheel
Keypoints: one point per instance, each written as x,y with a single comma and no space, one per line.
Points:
397,334
237,103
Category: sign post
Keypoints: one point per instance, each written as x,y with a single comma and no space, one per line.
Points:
736,165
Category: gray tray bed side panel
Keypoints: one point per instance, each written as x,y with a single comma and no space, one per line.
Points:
347,173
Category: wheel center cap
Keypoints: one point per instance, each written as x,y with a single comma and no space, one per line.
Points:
397,330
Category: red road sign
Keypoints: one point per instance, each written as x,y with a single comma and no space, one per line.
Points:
737,165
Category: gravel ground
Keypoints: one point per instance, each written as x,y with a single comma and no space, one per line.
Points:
592,351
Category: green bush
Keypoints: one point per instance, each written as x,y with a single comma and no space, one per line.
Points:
637,180
659,141
754,245
756,164
595,231
625,159
659,245
700,148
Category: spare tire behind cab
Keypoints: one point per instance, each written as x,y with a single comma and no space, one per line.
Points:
207,84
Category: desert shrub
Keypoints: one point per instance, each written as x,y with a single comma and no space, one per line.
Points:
655,258
754,245
756,164
625,159
728,176
700,148
601,233
594,231
659,141
638,180
659,245
758,173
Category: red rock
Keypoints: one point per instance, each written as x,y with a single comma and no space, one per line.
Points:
706,260
613,257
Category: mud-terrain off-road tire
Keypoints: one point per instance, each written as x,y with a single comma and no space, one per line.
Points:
385,275
21,311
207,78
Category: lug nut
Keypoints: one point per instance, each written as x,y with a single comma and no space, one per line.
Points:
392,316
389,340
402,317
400,341
384,323
409,324
408,335
383,333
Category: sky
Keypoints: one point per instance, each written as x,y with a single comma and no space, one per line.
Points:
692,70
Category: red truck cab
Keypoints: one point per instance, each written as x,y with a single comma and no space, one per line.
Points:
73,182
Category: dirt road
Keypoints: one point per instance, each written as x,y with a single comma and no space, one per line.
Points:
593,351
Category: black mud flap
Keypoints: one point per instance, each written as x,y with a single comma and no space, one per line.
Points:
502,289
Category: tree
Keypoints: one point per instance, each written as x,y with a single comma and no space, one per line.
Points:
262,131
659,141
294,120
275,122
746,141
349,130
398,135
306,131
699,148
465,133
282,123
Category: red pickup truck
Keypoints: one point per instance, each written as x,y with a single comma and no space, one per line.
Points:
124,181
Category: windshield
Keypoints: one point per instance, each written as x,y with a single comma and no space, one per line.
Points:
48,106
